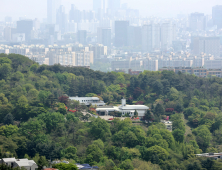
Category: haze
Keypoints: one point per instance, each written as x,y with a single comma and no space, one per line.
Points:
160,8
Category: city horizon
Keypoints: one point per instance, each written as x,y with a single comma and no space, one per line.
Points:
163,9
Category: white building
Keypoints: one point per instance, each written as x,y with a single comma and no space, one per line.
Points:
88,100
151,37
125,109
13,163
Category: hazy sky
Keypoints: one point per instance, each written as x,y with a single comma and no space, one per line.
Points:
161,8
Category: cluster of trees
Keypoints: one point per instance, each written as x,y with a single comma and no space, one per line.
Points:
38,121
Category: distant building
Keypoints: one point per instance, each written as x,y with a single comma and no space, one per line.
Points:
52,6
7,33
121,35
168,35
88,101
98,51
150,64
26,27
81,36
151,37
199,72
207,45
134,36
61,19
134,72
104,36
74,14
216,16
197,21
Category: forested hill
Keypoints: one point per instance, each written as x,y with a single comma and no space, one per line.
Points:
35,123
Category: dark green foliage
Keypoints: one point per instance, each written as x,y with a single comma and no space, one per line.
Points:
9,119
63,166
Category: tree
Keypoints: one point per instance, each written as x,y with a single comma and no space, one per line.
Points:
135,114
159,151
5,70
94,154
100,129
179,107
178,135
64,166
158,87
9,119
51,119
64,99
203,136
42,162
149,116
8,130
159,110
43,95
127,165
70,153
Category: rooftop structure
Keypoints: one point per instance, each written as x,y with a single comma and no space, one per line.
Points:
210,155
86,166
88,100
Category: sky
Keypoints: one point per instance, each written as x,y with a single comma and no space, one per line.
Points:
160,8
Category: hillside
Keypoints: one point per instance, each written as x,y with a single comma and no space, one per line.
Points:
34,120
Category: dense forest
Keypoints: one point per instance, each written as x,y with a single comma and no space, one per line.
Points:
36,120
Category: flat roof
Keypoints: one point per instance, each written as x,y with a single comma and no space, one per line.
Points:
133,107
100,107
84,98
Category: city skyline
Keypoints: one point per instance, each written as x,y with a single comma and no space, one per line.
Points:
159,8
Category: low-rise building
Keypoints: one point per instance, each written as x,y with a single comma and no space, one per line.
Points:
210,155
88,100
25,163
124,109
86,166
199,71
168,124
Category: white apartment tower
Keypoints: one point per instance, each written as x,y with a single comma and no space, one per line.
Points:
168,35
52,6
151,37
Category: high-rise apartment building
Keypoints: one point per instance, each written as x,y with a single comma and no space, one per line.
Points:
121,33
168,35
74,14
81,36
61,19
104,36
134,36
26,27
7,33
150,64
52,6
217,16
99,50
151,37
207,45
197,21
